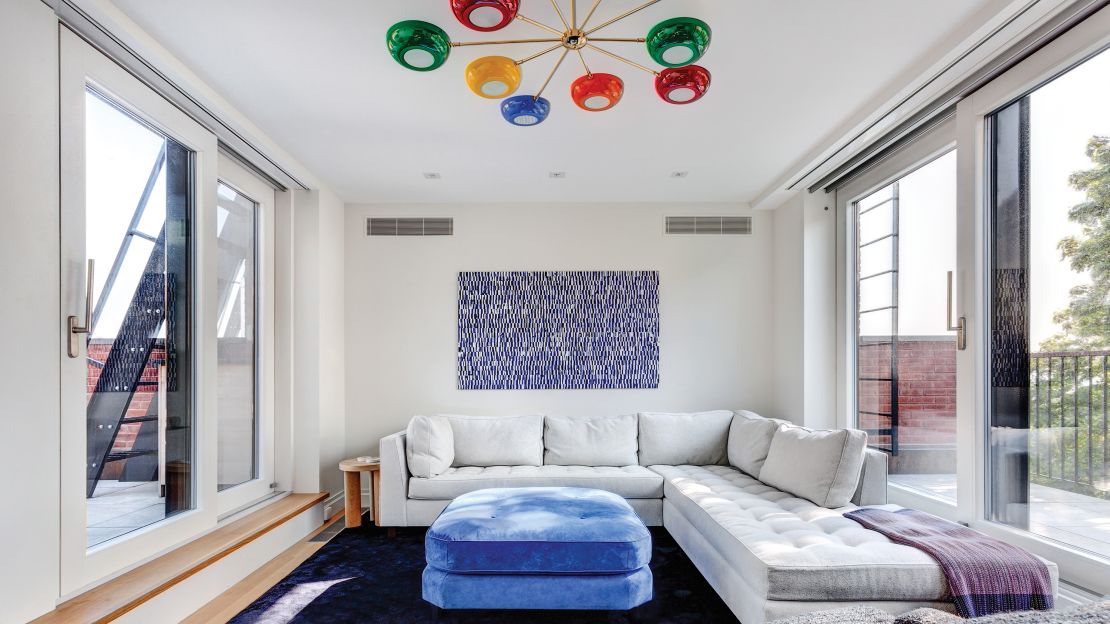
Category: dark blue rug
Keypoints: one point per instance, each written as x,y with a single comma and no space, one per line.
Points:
362,575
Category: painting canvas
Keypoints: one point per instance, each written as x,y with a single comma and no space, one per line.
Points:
560,330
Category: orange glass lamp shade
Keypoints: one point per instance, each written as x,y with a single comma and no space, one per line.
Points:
597,92
493,77
485,15
683,85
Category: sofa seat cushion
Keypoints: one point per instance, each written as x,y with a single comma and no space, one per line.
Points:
788,548
626,481
547,530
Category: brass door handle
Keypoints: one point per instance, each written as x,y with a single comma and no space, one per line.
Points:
76,330
961,324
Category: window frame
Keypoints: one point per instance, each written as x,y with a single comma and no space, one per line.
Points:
261,487
81,67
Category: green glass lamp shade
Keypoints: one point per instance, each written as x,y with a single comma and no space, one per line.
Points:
679,41
418,45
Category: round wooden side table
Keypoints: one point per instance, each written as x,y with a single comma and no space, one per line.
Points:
352,490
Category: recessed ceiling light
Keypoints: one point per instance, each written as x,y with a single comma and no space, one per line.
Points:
680,174
558,175
432,175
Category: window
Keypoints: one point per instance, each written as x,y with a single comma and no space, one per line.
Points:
140,422
1049,288
905,355
138,367
236,337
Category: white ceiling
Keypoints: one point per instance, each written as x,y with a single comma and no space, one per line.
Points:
787,74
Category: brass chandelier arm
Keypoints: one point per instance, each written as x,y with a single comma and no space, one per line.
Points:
620,39
559,12
539,54
462,44
622,16
597,3
622,59
586,66
539,25
562,58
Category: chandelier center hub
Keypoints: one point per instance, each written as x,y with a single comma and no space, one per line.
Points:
574,39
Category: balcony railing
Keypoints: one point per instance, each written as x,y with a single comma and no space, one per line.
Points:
1069,447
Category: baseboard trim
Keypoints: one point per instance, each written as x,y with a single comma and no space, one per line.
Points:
334,504
247,540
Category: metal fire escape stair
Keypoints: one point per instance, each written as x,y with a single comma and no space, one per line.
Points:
889,306
122,371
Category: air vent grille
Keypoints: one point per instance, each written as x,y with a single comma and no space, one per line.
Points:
410,226
709,225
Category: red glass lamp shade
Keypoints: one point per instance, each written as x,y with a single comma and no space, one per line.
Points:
597,92
485,15
683,85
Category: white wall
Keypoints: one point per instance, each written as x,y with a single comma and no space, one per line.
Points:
29,309
806,289
788,298
819,319
716,305
318,345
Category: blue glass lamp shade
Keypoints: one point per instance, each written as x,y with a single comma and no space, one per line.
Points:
525,110
418,45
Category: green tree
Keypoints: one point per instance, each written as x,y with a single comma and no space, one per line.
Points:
1085,323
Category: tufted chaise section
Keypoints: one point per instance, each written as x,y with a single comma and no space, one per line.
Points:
788,548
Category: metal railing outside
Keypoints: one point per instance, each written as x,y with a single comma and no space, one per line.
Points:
1069,446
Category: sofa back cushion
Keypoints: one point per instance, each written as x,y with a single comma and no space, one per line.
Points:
429,446
749,440
698,439
605,441
820,466
497,440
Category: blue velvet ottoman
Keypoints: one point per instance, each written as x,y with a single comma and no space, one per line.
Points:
538,548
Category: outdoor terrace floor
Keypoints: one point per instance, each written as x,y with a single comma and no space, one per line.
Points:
1074,519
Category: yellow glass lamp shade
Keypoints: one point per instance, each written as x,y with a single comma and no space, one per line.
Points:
493,77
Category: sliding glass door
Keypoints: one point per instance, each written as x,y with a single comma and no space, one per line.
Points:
1049,297
138,178
1034,192
900,220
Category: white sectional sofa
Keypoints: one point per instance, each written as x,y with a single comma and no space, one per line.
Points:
756,503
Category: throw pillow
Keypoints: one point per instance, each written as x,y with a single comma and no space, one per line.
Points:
429,445
749,439
820,466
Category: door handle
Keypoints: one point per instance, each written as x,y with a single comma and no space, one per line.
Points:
961,324
76,330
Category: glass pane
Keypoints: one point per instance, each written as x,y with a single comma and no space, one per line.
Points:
235,332
1050,450
139,413
876,257
906,357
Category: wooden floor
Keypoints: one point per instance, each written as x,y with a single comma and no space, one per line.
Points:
228,604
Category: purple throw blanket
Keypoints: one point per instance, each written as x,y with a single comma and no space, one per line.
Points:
985,575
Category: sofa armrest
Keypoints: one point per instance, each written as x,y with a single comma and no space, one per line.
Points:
872,480
395,481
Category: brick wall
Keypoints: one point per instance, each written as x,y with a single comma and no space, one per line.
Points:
140,403
926,389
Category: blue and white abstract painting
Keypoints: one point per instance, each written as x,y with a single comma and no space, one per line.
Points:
561,330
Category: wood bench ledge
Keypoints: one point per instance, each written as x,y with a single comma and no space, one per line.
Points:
116,597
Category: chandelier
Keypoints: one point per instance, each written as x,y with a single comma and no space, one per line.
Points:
676,44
